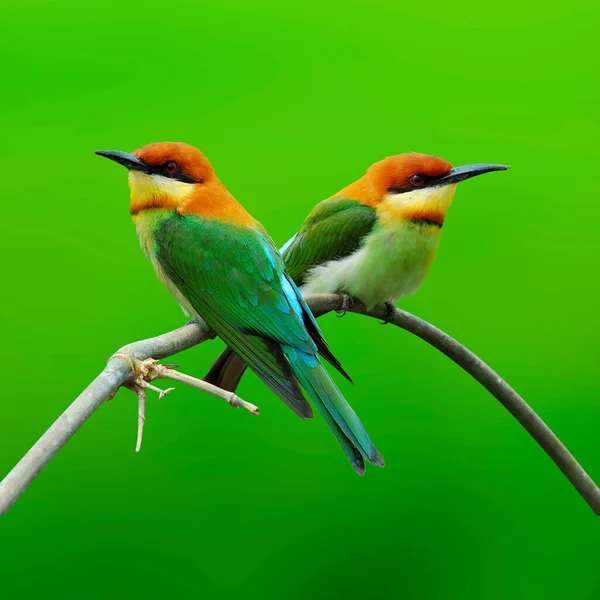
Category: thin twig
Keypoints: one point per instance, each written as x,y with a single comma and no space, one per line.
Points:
148,370
140,390
229,397
119,372
142,383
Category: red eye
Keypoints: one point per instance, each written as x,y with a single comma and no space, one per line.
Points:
171,167
417,180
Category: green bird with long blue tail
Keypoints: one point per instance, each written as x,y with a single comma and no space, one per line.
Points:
223,268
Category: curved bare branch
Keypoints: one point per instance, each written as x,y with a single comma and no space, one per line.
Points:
491,381
120,371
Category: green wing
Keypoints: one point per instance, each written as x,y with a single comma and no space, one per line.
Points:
234,277
334,229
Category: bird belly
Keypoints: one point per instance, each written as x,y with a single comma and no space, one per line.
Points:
393,262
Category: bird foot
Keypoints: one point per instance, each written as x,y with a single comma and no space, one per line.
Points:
347,304
390,313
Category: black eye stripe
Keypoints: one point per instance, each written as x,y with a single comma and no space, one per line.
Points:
427,181
177,174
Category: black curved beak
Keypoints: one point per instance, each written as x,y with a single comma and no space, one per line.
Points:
130,161
467,171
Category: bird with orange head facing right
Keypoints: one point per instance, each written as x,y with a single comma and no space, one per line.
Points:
375,240
223,268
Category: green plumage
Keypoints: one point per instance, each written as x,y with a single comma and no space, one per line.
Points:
234,279
333,230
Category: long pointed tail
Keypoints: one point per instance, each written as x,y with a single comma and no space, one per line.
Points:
338,414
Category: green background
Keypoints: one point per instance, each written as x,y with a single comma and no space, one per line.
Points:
291,103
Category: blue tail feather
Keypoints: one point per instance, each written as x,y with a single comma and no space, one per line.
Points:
338,414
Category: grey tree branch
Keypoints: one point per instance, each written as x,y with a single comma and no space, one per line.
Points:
120,371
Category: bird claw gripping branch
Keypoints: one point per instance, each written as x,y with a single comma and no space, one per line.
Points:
347,304
390,313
